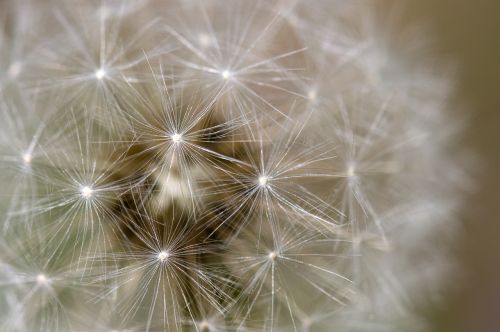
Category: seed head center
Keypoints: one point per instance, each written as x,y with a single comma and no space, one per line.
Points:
27,158
263,180
351,171
163,256
100,73
176,138
42,279
226,74
86,192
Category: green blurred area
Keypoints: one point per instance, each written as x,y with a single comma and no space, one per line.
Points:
467,34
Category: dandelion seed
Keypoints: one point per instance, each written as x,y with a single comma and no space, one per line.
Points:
176,138
86,192
263,181
226,74
272,255
27,158
204,39
100,73
163,256
351,171
204,326
42,279
311,95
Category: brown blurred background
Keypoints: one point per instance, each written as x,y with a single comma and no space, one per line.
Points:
467,34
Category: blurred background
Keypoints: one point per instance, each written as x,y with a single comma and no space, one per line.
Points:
466,34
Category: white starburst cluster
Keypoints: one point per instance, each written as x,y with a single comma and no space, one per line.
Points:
86,192
219,166
100,74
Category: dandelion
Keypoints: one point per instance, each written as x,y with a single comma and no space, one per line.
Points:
217,166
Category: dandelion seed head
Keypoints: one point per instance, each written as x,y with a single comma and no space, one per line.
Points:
86,192
100,73
210,187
